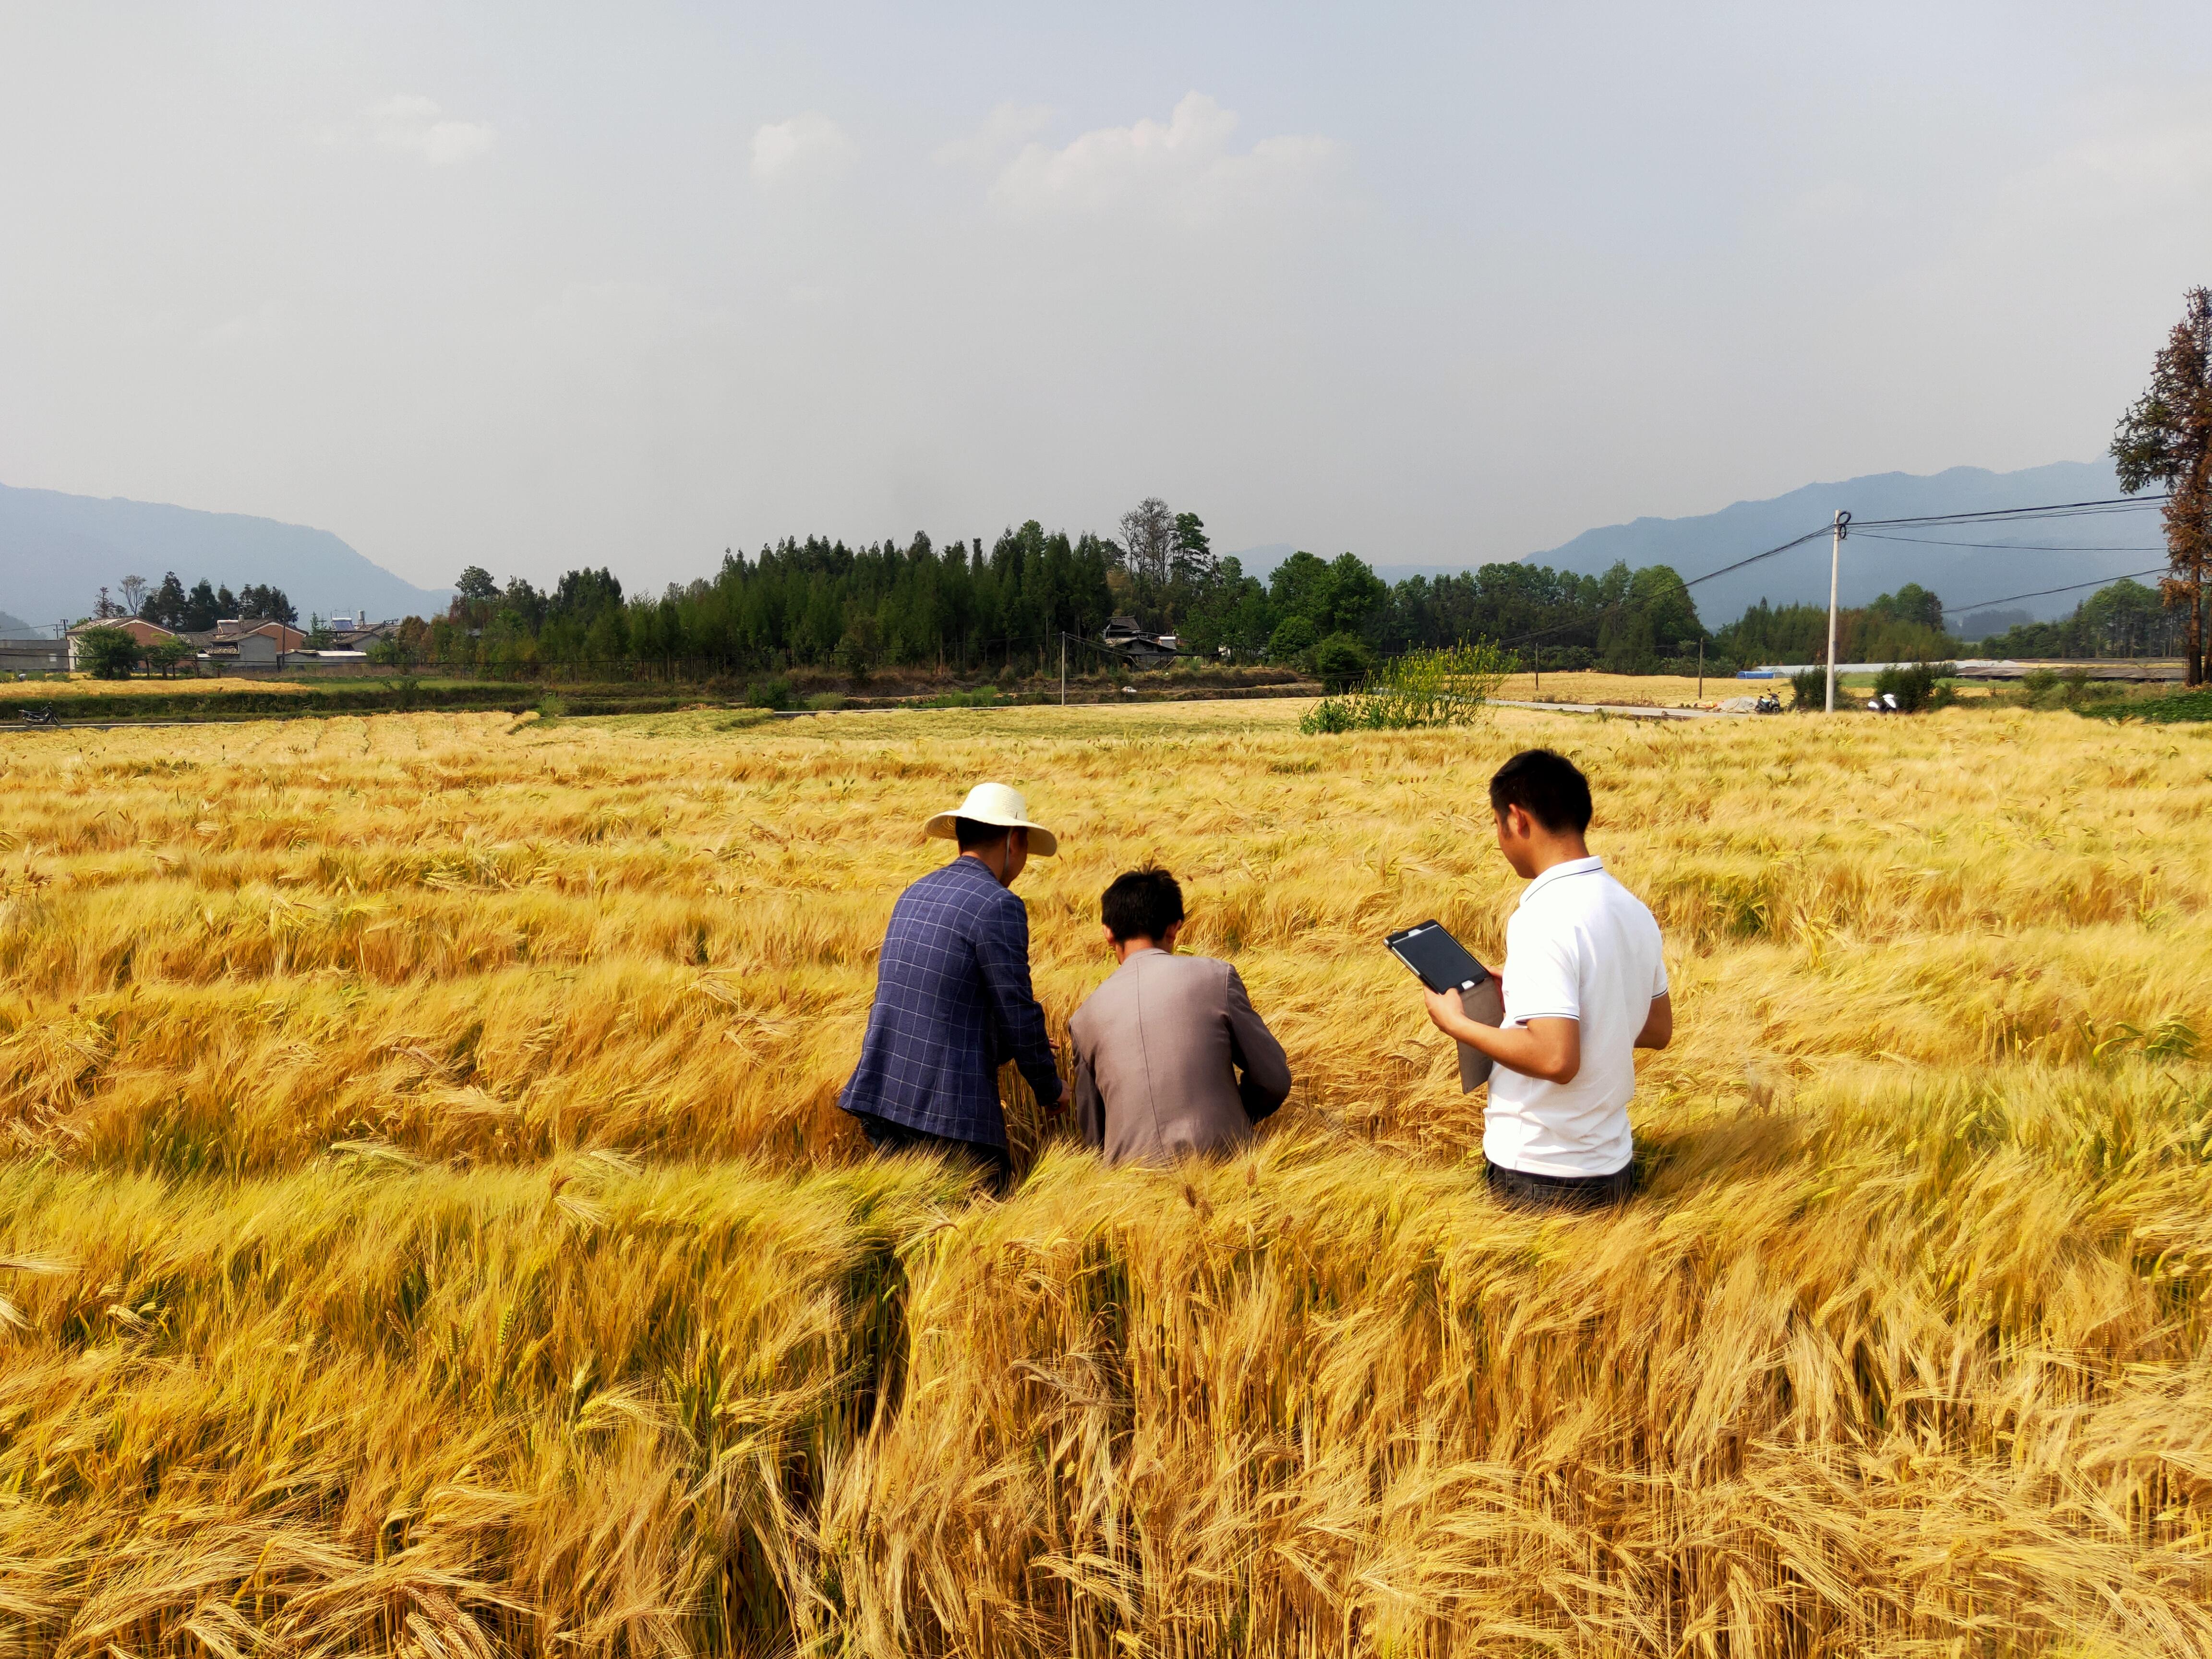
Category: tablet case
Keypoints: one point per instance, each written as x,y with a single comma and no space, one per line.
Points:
1484,1005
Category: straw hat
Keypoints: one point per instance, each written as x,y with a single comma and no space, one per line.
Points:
995,803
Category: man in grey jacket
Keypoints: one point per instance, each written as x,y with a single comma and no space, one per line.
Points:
1159,1045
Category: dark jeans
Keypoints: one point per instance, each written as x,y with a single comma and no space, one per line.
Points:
888,1137
1542,1191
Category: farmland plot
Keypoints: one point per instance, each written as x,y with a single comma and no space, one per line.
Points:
427,1225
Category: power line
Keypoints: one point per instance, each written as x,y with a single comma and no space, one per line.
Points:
1994,515
2006,547
1622,605
1997,515
1809,536
2041,592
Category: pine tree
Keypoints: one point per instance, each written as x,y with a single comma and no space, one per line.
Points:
202,608
166,605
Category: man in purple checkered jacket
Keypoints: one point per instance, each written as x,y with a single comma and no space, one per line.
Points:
953,996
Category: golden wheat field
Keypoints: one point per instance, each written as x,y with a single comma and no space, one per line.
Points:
82,685
428,1228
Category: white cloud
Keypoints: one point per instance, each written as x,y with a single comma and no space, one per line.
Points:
415,124
1184,167
1009,127
265,324
805,144
2116,173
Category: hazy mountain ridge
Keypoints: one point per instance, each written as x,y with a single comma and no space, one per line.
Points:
2060,552
58,550
2069,552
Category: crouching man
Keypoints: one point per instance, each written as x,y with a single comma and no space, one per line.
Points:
1585,988
953,997
1159,1046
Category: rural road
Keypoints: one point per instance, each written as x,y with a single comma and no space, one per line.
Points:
1632,710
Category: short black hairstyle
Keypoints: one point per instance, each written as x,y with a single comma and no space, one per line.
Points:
1141,904
974,832
1547,786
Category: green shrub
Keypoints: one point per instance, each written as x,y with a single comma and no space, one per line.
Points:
110,653
169,655
1330,715
551,708
769,694
824,703
1808,689
1917,686
1342,662
1293,638
1447,687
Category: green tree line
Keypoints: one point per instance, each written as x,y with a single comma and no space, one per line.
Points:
1906,626
961,607
2126,619
197,609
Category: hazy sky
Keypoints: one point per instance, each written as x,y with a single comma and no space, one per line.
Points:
533,286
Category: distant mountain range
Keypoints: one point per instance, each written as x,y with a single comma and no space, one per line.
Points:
57,551
1970,565
2050,554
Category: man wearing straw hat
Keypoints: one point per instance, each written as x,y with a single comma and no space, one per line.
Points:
952,995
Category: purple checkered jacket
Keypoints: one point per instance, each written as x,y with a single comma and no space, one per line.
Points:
952,1002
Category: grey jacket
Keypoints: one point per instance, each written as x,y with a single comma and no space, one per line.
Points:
1157,1048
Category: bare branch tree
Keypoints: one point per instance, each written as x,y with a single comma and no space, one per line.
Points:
1148,538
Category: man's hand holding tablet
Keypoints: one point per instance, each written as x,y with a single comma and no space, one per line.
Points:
1438,961
1461,990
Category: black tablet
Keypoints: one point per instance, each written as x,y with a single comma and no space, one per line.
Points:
1438,961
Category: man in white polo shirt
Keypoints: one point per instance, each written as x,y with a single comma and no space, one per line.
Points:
1585,987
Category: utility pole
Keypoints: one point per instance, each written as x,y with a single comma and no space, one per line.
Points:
1539,698
1835,566
1063,668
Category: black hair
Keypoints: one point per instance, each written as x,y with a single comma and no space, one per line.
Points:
1141,904
1547,786
974,832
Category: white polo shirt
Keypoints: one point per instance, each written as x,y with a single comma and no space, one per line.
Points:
1582,947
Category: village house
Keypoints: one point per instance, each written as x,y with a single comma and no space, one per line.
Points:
145,633
264,645
32,656
1135,646
362,634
